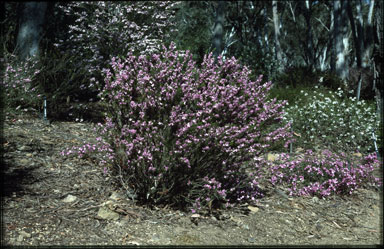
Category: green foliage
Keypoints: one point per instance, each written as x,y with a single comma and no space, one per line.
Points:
194,21
9,27
298,76
64,78
19,83
260,61
332,81
291,94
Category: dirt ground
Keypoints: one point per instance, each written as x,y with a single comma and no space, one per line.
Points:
48,199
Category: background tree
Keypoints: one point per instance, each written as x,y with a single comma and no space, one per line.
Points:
218,29
81,37
30,28
341,38
276,25
194,20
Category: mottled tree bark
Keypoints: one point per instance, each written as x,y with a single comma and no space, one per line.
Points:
341,39
310,48
277,35
368,41
218,30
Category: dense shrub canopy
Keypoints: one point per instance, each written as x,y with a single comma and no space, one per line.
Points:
189,132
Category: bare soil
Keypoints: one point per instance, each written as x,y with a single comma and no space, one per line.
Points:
48,199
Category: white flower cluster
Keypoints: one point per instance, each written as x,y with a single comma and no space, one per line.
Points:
332,120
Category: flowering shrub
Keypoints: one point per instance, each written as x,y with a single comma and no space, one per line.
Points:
324,174
182,135
19,89
104,29
333,121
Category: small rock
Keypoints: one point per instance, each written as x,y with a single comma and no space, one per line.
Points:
24,148
245,226
25,234
251,240
69,198
253,209
24,161
107,214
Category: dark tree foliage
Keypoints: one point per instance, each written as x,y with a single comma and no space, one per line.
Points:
195,21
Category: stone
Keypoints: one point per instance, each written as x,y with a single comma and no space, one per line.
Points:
25,234
69,198
107,214
251,240
20,238
24,161
24,148
253,209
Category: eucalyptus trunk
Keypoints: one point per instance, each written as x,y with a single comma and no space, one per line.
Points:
277,35
30,29
368,41
310,48
341,39
218,29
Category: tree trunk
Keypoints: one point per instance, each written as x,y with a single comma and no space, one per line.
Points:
341,39
368,41
30,29
218,30
310,47
277,34
265,28
332,43
356,40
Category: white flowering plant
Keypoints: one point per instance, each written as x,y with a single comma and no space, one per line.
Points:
327,119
